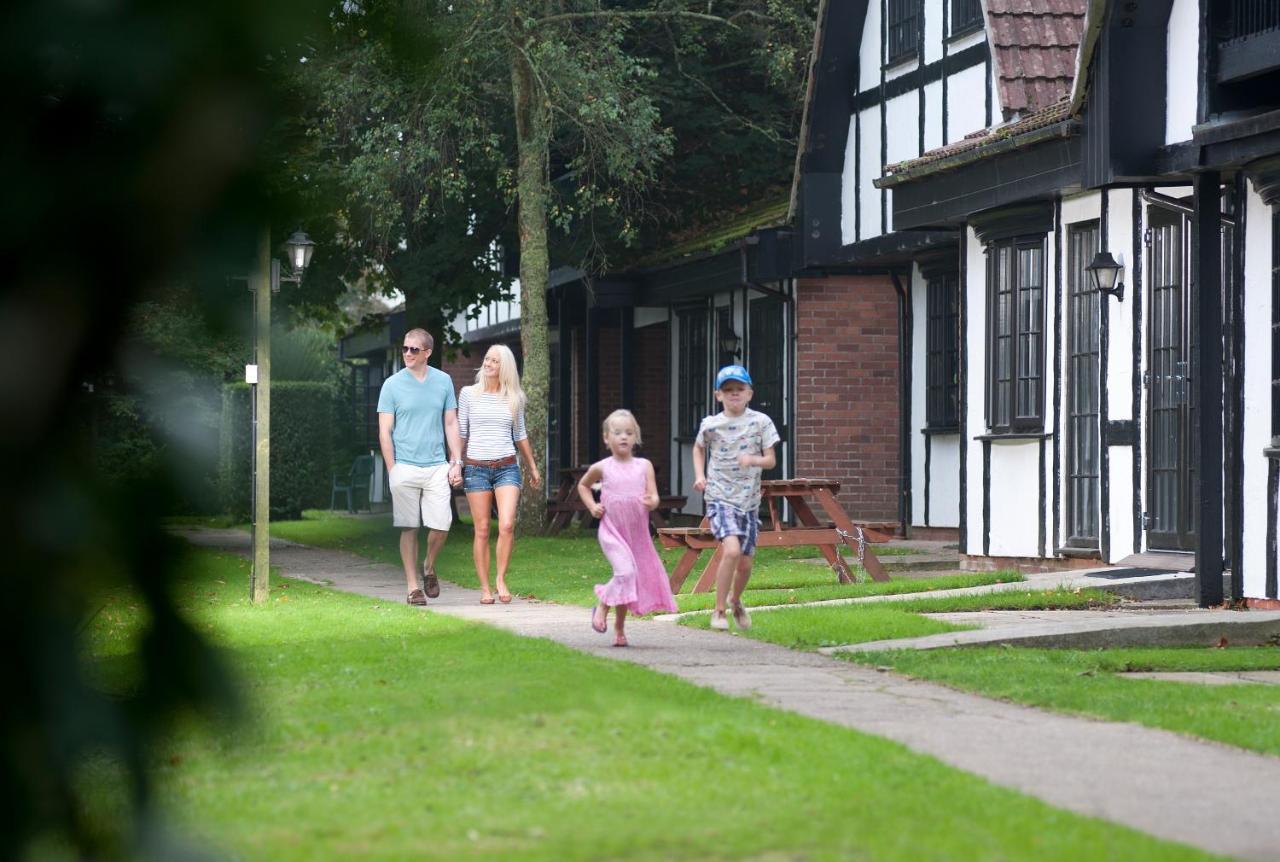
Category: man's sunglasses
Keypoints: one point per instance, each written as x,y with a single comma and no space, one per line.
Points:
414,350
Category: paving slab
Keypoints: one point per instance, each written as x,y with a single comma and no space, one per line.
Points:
1200,793
1221,677
1092,630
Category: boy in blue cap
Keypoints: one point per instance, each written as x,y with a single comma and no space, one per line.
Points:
740,443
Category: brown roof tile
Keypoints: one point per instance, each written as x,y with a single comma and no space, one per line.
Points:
1035,44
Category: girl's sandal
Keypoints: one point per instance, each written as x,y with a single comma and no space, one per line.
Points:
620,639
600,619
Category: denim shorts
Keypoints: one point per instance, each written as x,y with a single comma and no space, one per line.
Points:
729,521
488,478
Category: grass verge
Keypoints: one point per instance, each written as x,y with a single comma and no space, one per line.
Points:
1090,682
565,567
384,732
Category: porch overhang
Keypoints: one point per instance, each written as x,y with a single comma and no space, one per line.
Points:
1223,145
886,252
764,256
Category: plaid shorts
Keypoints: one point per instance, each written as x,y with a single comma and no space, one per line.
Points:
728,521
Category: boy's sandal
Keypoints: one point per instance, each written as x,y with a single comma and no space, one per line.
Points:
600,619
417,597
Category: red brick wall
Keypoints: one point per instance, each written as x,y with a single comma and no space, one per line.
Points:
466,360
847,390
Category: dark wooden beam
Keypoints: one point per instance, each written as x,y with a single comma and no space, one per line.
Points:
1207,376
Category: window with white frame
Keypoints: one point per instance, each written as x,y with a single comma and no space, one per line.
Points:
903,19
1015,327
966,15
942,360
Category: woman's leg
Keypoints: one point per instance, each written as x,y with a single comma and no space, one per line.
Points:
508,497
479,503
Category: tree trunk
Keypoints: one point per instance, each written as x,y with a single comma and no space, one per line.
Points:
533,192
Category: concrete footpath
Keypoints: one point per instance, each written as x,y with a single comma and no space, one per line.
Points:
1203,794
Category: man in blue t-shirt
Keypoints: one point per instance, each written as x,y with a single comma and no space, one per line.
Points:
417,416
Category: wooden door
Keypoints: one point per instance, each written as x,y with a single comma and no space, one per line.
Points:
766,344
1170,470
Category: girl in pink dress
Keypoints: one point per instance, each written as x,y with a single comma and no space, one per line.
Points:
628,493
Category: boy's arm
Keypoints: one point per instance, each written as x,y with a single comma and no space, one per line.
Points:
588,479
699,468
764,461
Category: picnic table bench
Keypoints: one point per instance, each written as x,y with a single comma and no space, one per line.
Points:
826,535
567,505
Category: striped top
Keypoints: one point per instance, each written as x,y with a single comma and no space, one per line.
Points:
484,419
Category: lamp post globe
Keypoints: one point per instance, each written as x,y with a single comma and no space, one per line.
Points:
299,248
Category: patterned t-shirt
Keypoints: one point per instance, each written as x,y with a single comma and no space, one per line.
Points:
726,437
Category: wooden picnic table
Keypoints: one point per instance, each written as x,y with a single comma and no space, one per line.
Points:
567,505
803,495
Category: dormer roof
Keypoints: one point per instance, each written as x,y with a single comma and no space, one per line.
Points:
1034,44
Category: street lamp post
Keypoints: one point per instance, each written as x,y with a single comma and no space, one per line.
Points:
265,282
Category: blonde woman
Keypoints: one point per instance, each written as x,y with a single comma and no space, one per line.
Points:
491,423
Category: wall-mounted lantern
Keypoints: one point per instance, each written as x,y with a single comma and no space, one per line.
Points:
1105,272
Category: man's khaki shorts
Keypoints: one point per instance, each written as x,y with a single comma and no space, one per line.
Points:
420,496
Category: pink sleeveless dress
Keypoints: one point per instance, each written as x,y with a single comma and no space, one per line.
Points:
639,580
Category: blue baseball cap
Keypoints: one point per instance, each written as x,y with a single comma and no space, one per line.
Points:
732,372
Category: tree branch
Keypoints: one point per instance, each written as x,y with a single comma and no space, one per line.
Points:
572,16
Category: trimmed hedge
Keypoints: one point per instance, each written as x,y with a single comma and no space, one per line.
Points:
302,447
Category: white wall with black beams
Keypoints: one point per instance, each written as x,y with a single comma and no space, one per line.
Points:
903,109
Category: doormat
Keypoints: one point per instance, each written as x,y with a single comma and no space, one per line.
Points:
1133,572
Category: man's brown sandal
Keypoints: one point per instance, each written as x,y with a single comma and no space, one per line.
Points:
431,582
417,597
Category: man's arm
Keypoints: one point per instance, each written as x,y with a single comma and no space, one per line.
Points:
387,422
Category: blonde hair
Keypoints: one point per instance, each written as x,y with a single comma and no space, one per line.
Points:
622,414
508,378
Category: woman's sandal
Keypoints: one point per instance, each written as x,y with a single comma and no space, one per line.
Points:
505,598
486,600
600,619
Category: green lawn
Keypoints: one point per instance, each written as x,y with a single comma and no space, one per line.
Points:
381,731
1085,682
565,567
836,625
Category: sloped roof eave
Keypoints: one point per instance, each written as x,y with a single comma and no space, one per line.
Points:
1064,128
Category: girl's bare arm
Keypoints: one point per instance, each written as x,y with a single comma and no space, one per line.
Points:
651,498
593,474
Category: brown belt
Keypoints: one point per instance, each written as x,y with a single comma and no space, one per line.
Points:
497,462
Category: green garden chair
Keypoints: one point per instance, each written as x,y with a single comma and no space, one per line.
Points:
356,479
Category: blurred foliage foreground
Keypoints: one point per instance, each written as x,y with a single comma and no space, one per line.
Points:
136,149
